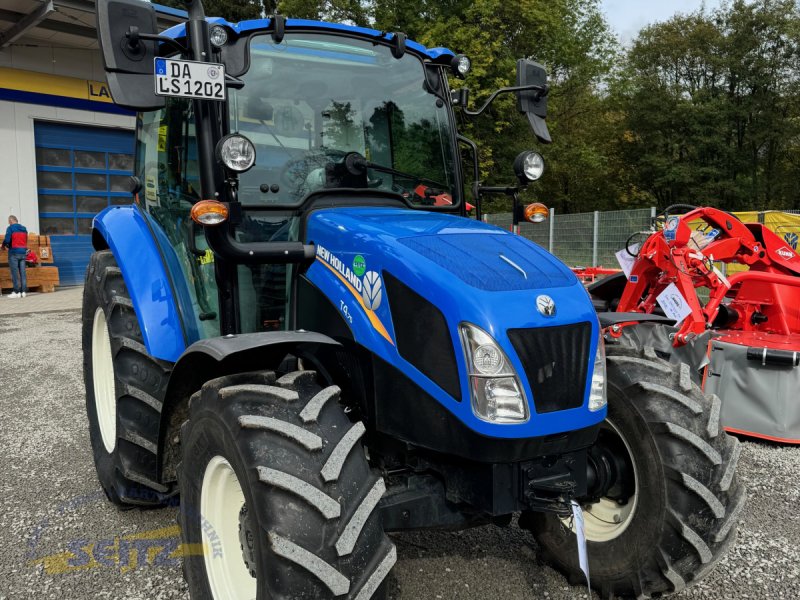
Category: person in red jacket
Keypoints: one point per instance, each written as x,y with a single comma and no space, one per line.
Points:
16,240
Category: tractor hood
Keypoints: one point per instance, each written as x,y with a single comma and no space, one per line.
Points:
404,280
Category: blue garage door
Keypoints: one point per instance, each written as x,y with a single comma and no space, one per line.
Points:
79,171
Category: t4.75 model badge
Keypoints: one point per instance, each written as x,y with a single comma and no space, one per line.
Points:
546,305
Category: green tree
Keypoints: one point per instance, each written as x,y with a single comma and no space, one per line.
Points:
709,103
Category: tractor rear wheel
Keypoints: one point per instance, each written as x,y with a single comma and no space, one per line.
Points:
675,512
277,495
124,389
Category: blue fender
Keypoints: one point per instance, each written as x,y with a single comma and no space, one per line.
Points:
127,234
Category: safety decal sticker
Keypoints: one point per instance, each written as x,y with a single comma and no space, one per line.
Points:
671,228
365,286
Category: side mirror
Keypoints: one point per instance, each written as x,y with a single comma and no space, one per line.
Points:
533,103
127,57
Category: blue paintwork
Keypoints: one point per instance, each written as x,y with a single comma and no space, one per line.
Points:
131,241
179,31
71,254
377,234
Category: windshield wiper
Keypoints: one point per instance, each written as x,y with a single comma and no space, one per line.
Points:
357,164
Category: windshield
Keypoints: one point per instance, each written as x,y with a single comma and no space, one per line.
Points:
314,97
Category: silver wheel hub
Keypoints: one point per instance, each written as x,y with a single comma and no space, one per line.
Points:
607,518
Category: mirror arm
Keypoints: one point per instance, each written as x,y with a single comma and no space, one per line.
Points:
543,91
134,36
508,191
233,82
475,172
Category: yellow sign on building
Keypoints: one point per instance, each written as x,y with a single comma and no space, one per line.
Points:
54,85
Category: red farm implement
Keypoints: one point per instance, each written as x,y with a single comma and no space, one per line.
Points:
738,332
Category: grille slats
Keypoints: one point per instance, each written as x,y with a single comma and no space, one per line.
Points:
555,360
422,335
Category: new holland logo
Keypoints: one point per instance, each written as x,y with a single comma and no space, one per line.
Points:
546,305
372,293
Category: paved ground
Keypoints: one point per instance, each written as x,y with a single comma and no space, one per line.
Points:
60,539
35,302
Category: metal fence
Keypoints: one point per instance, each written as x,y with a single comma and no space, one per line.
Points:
583,239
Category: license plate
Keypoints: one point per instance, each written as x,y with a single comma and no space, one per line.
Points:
189,79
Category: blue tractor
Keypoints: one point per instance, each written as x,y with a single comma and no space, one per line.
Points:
296,329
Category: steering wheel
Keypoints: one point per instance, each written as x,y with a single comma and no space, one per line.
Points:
295,172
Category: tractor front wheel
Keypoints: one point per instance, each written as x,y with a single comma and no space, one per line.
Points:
673,510
125,389
277,498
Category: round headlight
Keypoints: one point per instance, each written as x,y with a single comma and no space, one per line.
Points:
487,359
461,65
236,152
529,166
219,36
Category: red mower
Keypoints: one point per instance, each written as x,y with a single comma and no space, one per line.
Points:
740,333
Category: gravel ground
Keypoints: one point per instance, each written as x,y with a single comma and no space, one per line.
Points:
59,538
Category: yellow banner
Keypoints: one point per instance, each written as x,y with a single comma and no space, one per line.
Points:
54,85
786,225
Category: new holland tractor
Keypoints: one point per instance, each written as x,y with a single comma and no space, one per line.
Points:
297,331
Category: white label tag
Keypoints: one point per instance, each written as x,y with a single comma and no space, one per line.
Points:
625,259
583,555
719,274
674,304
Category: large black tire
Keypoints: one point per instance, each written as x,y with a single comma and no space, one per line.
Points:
310,527
128,471
689,497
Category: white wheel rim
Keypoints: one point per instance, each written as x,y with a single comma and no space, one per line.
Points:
105,397
221,500
606,520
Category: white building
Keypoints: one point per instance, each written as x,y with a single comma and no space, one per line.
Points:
66,150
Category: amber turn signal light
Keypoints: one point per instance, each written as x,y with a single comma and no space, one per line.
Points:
209,212
536,212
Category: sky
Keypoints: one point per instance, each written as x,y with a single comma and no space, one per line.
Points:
627,17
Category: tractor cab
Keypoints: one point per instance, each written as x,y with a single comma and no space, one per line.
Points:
295,116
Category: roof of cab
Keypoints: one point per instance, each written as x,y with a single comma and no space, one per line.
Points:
179,31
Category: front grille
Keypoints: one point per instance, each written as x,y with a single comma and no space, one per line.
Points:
555,360
422,335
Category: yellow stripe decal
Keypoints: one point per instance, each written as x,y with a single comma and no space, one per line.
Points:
54,85
373,318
